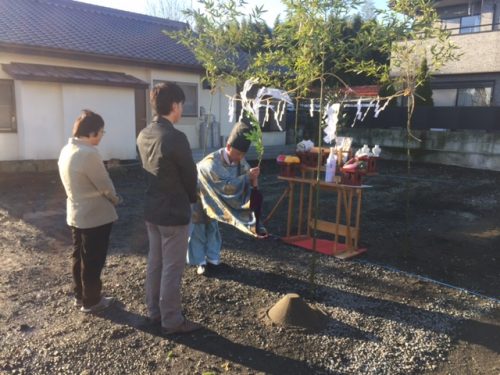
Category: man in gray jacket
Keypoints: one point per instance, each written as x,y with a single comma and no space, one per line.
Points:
171,175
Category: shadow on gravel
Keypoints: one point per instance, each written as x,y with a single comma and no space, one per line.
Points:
211,343
399,312
488,334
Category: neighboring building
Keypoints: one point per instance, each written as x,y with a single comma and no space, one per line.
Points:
60,56
474,80
463,126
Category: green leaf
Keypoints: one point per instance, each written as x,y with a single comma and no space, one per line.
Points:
255,136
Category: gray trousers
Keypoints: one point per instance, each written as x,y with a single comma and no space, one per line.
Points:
166,260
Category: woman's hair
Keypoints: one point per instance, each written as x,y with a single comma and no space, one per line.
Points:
87,123
163,95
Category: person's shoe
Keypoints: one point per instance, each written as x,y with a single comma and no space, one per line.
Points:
185,327
214,269
201,269
148,323
77,302
103,304
262,232
153,322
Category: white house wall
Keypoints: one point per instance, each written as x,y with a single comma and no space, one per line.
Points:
9,146
46,113
116,105
40,120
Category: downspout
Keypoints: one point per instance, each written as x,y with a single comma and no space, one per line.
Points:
494,18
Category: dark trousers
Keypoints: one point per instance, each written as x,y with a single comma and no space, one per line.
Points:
90,247
256,200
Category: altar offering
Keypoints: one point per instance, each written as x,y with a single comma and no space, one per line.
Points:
310,158
369,156
288,164
353,171
304,146
331,165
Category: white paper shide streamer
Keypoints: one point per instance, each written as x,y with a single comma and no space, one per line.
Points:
331,118
230,110
379,109
263,100
359,111
248,105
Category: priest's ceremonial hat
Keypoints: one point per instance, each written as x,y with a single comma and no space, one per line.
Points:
237,139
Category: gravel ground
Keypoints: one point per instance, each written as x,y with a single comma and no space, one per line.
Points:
381,320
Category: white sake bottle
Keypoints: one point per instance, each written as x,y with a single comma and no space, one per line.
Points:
331,164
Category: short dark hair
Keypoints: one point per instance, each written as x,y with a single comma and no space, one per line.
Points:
163,95
87,123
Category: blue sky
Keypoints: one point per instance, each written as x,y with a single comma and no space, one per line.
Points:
273,7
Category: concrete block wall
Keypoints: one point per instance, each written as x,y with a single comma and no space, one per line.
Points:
471,149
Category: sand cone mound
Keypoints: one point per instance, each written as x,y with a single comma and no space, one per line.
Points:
292,310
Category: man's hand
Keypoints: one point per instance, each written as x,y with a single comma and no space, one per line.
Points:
254,173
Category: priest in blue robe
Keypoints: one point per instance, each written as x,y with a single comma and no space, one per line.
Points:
228,192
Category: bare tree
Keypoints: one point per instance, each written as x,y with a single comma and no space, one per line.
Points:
368,11
170,9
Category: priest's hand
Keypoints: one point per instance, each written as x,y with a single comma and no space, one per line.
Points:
254,173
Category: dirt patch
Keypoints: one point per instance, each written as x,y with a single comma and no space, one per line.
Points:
386,315
293,311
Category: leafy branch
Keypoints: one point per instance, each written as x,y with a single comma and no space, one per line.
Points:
215,42
255,136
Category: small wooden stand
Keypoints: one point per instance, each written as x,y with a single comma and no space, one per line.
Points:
345,228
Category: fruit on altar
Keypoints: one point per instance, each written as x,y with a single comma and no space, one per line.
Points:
290,159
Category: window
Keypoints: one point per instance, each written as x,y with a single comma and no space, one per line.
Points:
474,97
470,24
463,97
190,107
462,25
7,106
451,24
461,19
444,97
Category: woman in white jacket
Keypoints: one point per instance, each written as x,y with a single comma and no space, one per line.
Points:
90,205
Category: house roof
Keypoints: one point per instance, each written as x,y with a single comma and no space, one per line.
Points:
65,27
363,91
49,73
